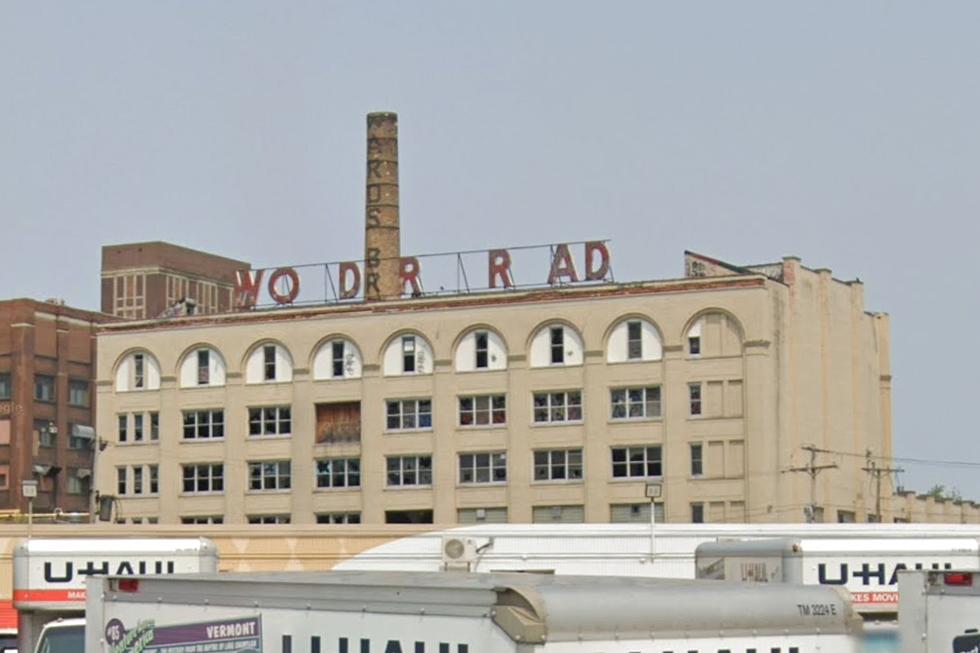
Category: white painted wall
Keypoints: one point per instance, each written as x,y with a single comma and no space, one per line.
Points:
188,369
541,347
466,352
393,357
254,370
126,369
617,345
323,360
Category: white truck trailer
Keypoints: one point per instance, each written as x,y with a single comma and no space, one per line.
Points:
49,574
418,612
939,611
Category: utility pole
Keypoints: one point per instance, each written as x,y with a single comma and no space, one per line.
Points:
812,469
873,469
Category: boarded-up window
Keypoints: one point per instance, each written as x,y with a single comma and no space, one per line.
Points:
338,422
736,512
735,460
4,431
733,399
716,459
482,516
558,515
716,512
621,513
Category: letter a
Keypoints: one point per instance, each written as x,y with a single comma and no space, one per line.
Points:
562,265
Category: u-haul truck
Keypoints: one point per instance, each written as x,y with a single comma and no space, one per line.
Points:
867,568
49,574
939,611
437,612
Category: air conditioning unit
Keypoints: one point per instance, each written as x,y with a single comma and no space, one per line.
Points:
458,553
53,428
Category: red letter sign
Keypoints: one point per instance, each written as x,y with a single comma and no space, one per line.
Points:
562,265
409,273
349,271
593,273
292,287
247,288
499,260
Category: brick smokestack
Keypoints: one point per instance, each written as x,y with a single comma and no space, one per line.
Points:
382,246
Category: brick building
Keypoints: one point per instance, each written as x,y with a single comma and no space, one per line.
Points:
47,364
145,280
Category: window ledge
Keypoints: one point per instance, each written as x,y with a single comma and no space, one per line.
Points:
413,488
210,493
559,481
334,490
263,492
200,440
577,422
427,429
272,436
477,484
632,420
636,479
481,427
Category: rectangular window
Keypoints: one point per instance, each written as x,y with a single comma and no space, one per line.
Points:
481,515
43,387
203,367
204,424
482,350
636,462
697,513
634,340
694,345
123,428
204,478
139,371
45,432
482,410
154,473
154,426
338,518
408,353
81,437
137,480
558,514
269,475
269,362
483,467
337,357
338,472
5,389
638,513
635,403
407,414
558,465
202,519
556,407
138,427
78,480
121,481
697,460
557,345
270,420
694,392
78,393
409,470
268,519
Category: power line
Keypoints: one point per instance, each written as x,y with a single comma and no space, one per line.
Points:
812,469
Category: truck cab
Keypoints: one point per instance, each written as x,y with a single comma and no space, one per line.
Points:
62,636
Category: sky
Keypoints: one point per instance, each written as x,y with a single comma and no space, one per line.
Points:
846,133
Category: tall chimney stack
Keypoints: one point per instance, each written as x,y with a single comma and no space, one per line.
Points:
382,247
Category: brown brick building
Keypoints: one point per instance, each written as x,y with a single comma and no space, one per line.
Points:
47,365
144,280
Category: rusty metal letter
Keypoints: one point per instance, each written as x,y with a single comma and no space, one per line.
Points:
593,273
409,274
562,265
247,285
292,288
349,270
499,260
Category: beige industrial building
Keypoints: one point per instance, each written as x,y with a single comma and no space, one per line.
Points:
540,405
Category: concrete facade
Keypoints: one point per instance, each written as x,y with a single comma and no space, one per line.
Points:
145,280
47,403
710,384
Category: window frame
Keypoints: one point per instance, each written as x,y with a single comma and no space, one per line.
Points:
264,421
6,386
470,468
38,386
197,478
351,477
196,427
474,411
629,462
417,415
278,479
627,403
418,470
335,361
697,461
695,400
481,349
409,350
203,367
566,465
634,342
269,365
73,388
550,408
556,345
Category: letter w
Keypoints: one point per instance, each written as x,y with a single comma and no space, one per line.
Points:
247,284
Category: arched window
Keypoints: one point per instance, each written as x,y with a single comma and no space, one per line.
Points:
138,370
337,358
408,353
634,339
556,344
269,363
202,367
481,349
713,334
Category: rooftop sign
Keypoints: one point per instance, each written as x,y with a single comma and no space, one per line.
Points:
427,275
